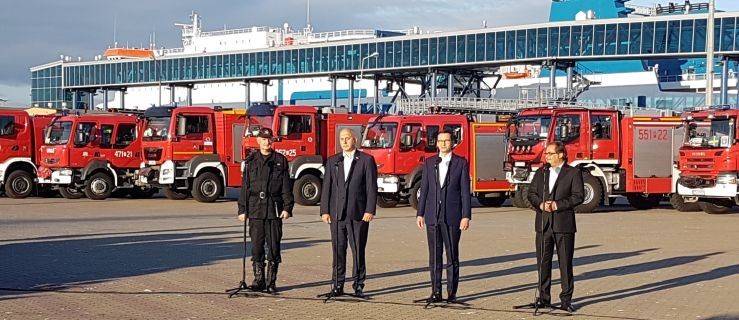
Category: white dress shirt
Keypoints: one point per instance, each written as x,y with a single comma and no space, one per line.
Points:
444,167
553,174
348,158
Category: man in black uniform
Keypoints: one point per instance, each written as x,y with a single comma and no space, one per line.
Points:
266,199
348,204
555,191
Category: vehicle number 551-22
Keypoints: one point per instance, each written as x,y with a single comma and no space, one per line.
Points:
653,134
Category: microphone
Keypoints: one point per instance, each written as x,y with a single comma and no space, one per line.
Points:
436,164
341,159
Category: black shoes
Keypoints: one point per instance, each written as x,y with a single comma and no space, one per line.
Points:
540,303
567,306
358,293
435,297
258,284
337,291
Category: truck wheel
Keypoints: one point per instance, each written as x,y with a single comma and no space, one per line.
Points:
415,195
70,192
525,203
593,194
679,204
719,207
99,186
19,184
207,187
643,201
176,194
491,201
386,200
517,200
143,192
307,190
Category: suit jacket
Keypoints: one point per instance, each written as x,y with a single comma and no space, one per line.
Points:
262,174
567,194
455,197
354,197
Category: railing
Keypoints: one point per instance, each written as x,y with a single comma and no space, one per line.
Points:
235,31
342,33
486,105
692,77
642,10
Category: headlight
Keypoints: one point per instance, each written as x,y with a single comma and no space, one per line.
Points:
65,172
166,171
390,179
726,178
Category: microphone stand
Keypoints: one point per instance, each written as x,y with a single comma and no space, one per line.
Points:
242,289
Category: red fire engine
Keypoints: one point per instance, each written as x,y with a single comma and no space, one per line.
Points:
192,151
307,136
401,143
708,159
20,137
92,154
620,155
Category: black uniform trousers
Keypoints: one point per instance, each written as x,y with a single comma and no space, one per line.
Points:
565,243
444,237
269,232
356,232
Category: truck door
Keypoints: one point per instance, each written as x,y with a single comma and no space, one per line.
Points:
83,151
603,136
194,136
126,153
103,143
11,143
460,144
297,135
412,151
568,128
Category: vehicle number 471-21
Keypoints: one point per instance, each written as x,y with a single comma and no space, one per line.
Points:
652,134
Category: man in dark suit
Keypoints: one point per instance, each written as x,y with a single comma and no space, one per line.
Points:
444,208
348,204
555,191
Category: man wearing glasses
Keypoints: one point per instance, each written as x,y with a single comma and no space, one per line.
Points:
444,209
554,192
266,199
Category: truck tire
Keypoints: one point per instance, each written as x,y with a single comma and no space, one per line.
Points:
207,187
491,201
19,184
524,190
679,204
386,201
176,194
143,192
99,186
518,199
644,201
70,192
415,195
593,193
307,190
718,207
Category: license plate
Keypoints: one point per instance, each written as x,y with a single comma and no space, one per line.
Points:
698,192
49,150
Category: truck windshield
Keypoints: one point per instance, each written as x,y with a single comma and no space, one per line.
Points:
379,135
58,132
531,127
718,135
157,128
254,123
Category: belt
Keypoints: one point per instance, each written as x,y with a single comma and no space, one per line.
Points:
264,195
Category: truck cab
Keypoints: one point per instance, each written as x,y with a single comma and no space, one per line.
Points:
708,161
192,151
92,155
20,137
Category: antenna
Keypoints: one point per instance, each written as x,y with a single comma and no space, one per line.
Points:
308,14
115,30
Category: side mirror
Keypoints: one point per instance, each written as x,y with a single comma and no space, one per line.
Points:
80,139
407,142
407,129
284,125
181,126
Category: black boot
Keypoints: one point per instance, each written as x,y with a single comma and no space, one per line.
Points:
272,277
258,283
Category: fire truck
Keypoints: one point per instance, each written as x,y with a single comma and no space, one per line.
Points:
92,155
20,137
192,151
401,143
708,159
307,136
620,155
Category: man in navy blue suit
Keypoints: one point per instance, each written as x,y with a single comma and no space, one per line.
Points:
444,209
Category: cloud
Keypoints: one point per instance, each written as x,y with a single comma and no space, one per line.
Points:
17,95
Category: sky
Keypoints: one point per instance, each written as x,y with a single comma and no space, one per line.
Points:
85,28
